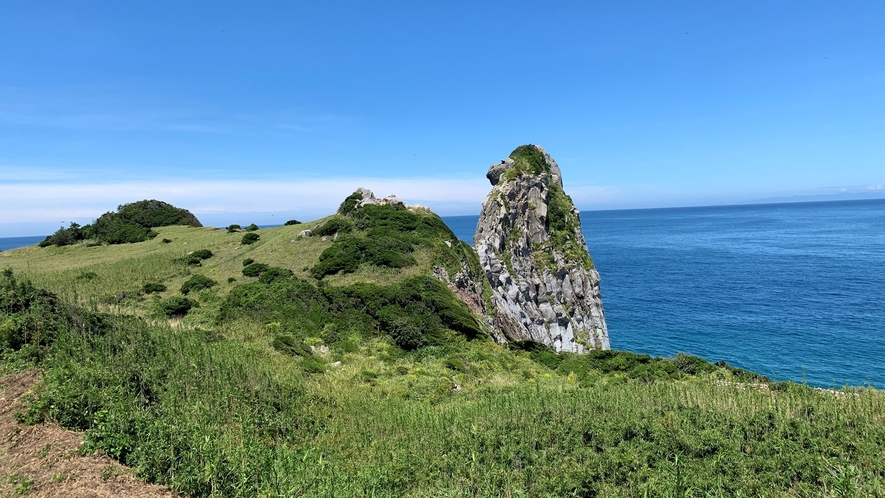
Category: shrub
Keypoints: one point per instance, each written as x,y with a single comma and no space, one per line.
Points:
89,275
335,225
250,238
291,222
196,258
252,227
166,241
151,288
64,236
248,261
202,254
35,317
233,228
273,274
692,365
347,254
406,334
191,260
177,306
350,203
231,280
290,345
255,269
197,282
312,364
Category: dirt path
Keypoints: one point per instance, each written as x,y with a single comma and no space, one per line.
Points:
42,460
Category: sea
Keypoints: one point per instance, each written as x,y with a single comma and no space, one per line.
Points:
792,291
7,243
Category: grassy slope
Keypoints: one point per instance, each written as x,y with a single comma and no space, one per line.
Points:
126,267
234,417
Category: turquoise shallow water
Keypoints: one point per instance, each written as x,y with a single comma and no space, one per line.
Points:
793,291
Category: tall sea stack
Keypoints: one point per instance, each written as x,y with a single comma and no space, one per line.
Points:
530,245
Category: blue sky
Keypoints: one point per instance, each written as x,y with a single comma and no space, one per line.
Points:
265,111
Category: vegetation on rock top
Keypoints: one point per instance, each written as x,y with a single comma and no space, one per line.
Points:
527,160
385,237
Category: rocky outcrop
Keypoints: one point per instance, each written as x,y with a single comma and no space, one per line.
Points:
365,197
529,241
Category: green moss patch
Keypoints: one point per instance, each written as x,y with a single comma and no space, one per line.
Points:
527,160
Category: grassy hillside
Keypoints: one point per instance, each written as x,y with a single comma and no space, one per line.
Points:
376,382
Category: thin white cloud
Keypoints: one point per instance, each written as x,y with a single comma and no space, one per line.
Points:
114,112
41,202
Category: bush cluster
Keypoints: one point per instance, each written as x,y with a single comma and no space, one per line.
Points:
266,274
347,254
250,238
251,228
289,344
177,306
35,317
202,254
291,222
152,288
129,224
65,236
196,258
380,236
632,365
273,274
196,283
414,313
350,203
336,224
254,269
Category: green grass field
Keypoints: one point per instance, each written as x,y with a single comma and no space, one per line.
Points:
212,404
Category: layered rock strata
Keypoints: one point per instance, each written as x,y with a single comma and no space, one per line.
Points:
530,245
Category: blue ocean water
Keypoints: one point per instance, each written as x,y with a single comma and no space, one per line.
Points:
7,243
792,291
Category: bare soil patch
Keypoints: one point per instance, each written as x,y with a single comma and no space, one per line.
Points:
43,460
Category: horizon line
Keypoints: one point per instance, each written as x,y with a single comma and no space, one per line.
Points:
743,204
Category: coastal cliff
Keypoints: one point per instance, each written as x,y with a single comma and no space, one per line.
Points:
530,245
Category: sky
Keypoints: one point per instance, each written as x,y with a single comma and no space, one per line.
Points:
267,111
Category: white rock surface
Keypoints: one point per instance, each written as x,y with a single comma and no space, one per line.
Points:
545,292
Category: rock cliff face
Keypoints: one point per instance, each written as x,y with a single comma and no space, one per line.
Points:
529,241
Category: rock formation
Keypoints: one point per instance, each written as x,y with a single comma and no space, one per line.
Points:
529,241
364,197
